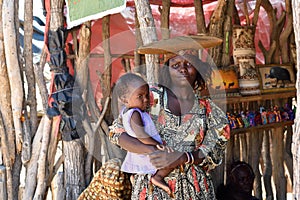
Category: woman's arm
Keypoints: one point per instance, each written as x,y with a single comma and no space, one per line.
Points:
118,136
218,132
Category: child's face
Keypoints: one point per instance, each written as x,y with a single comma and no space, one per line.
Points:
243,179
139,97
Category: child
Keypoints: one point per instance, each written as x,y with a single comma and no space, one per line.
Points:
133,91
240,184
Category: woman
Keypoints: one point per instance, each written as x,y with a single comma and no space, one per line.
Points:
195,128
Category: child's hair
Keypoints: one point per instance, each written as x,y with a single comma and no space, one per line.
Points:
125,82
236,165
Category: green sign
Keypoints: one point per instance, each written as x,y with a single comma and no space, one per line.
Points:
80,11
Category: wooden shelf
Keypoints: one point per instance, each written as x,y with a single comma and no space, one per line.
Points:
261,127
262,97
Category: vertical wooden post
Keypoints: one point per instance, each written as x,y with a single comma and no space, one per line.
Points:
200,19
236,153
3,194
277,159
165,13
256,146
137,57
228,156
148,33
267,165
106,77
296,135
57,186
74,175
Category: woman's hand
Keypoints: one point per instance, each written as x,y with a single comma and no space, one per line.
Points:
166,158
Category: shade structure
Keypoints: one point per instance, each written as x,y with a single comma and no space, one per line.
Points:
178,43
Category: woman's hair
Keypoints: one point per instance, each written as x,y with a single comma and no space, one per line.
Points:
204,71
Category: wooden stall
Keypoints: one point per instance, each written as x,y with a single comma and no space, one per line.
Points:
266,146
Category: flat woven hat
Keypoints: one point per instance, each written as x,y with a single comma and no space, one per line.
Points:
176,44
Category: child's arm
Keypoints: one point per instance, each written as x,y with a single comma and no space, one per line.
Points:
137,126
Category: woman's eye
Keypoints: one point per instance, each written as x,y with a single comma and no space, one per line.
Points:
175,66
188,64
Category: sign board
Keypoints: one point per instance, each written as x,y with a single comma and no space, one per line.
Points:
80,11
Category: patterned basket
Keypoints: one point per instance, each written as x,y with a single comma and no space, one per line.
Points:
108,183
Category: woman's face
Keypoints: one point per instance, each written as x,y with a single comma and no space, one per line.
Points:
182,72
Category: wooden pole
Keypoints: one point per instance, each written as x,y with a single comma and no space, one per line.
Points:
3,191
165,14
28,57
296,135
216,29
148,33
74,182
277,160
32,166
13,67
267,165
200,19
255,145
42,162
57,187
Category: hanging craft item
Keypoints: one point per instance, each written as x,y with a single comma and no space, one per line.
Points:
244,57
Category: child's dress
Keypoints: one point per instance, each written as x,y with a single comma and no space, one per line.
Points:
138,163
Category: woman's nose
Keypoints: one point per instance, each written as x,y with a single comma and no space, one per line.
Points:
182,67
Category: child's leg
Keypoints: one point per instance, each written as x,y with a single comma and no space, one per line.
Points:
158,180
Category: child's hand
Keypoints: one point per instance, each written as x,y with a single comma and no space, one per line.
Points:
164,148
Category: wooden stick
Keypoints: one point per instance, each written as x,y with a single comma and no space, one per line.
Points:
246,13
42,162
13,68
5,98
8,169
31,177
256,12
102,114
28,58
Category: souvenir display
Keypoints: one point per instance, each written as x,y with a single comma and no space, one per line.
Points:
244,57
263,116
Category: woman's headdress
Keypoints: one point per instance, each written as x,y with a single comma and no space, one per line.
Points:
180,45
176,44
